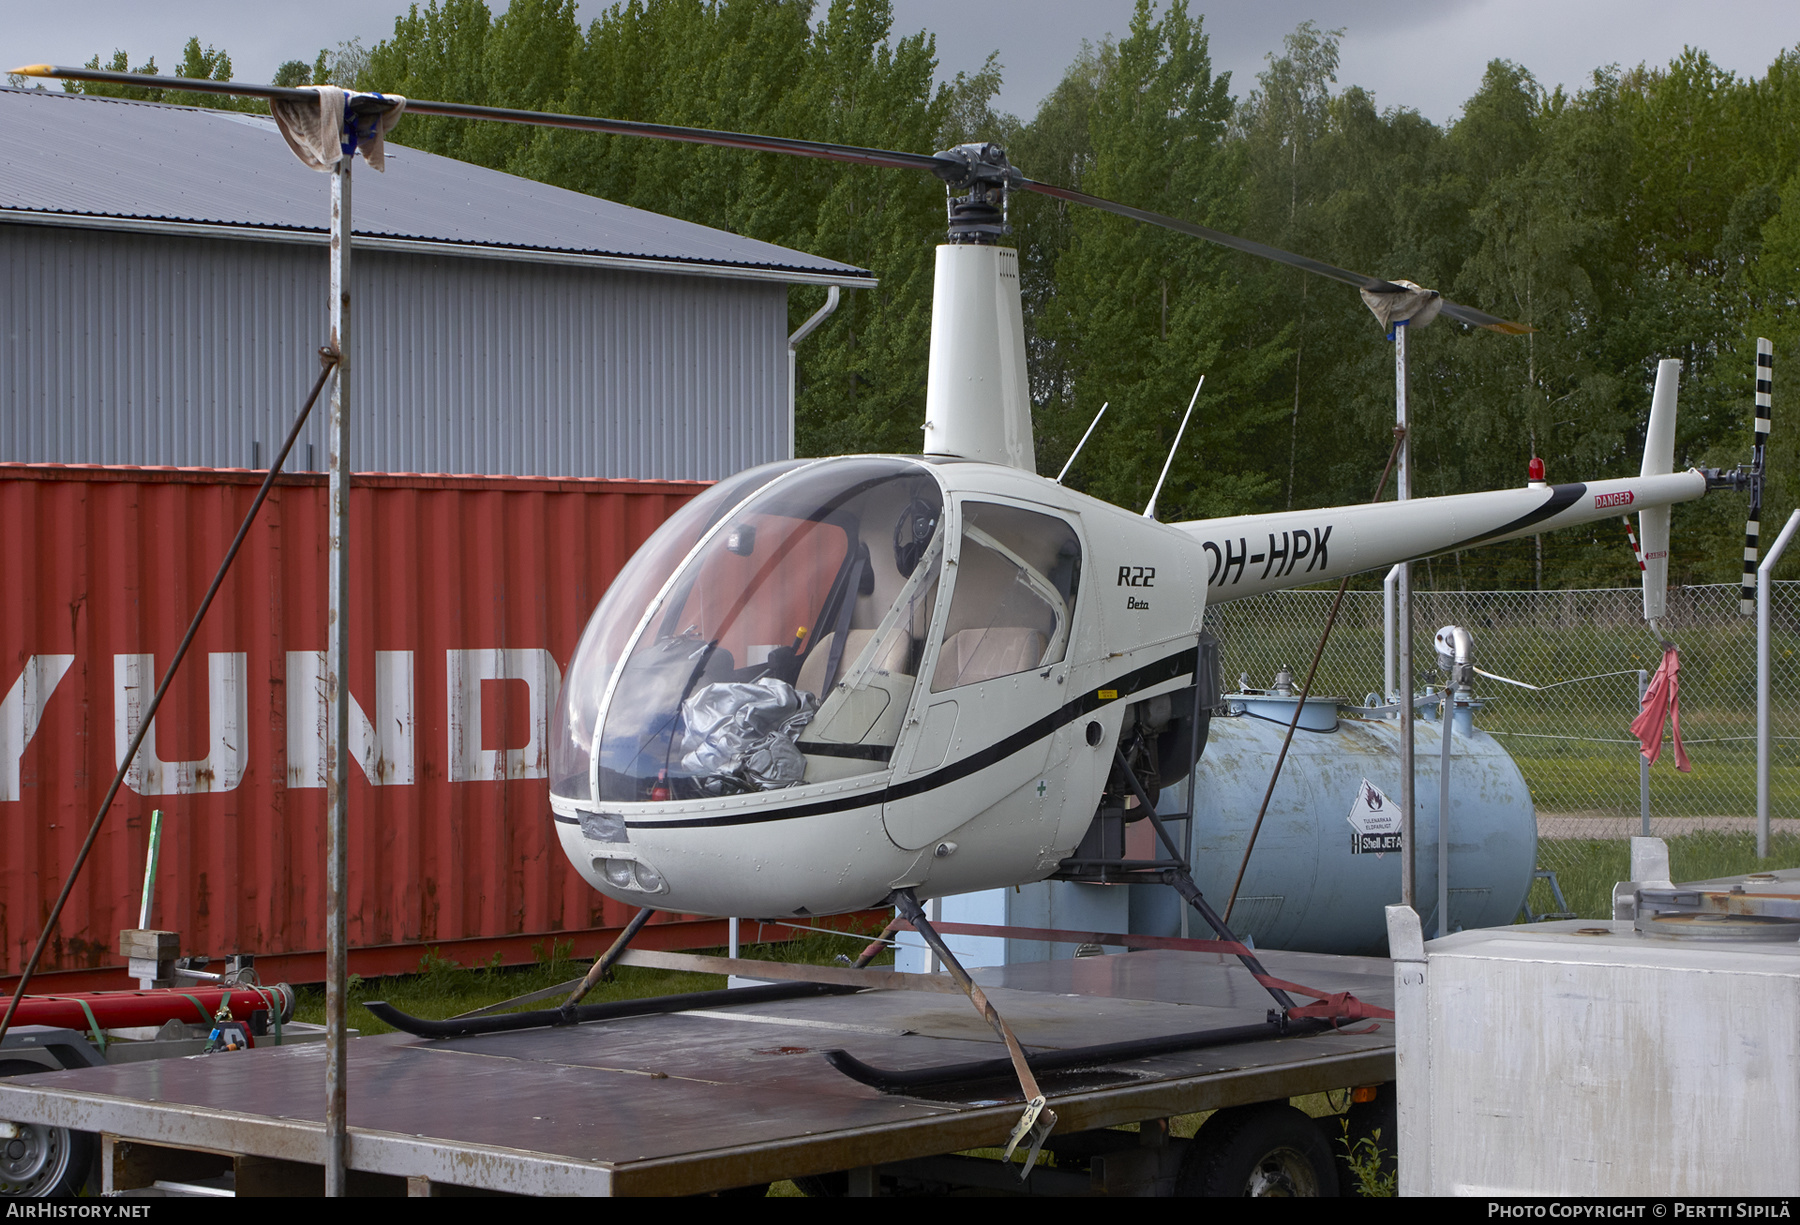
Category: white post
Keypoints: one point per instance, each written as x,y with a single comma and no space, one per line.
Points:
1446,725
1409,876
1388,665
1765,574
1412,1049
337,674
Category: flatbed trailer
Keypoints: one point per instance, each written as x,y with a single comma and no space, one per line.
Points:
733,1097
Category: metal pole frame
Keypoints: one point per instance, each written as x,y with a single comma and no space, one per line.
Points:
1409,875
1765,574
337,679
1446,728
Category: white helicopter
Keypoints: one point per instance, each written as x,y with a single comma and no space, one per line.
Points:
834,684
825,681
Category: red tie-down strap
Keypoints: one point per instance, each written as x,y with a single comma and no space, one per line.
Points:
1340,1005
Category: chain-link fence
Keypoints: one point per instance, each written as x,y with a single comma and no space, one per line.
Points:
1573,741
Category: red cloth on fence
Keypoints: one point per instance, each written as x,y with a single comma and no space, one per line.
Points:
1662,700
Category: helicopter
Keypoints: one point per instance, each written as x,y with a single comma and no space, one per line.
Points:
826,680
830,685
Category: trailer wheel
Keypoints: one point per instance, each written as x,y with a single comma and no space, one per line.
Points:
43,1162
1269,1149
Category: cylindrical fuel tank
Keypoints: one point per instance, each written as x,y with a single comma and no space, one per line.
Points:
1311,884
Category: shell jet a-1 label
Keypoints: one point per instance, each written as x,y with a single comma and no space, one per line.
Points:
1374,822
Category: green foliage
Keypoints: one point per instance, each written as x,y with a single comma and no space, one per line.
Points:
1366,1159
557,954
120,62
293,73
200,63
1140,313
431,965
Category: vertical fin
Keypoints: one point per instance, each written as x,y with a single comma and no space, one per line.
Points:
1659,460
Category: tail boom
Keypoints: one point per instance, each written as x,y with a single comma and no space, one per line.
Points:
1250,554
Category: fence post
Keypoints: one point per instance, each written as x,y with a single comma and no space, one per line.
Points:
1764,575
1644,762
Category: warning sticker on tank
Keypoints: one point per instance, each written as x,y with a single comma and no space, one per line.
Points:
1374,822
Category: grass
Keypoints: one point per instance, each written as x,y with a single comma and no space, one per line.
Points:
1588,868
443,988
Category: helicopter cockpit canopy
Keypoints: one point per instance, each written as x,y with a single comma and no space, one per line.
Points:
769,634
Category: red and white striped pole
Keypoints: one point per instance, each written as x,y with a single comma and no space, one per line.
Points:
1765,388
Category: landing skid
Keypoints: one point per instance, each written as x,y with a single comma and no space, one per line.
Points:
1084,1058
544,1018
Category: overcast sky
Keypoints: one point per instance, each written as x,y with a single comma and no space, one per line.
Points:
1428,57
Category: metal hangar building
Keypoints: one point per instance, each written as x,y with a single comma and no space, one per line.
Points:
166,297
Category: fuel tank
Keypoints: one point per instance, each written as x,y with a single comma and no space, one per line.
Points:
1315,882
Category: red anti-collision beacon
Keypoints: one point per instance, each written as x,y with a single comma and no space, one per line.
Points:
1534,474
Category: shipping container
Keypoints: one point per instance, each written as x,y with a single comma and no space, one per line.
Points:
467,596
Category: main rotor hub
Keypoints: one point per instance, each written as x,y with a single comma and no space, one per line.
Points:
984,173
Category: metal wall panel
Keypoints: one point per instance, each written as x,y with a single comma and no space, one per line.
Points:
122,348
153,162
469,594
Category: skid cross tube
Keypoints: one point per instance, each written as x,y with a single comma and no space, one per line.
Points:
605,961
1038,1119
1182,880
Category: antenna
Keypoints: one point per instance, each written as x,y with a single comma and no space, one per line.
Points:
1150,510
1082,443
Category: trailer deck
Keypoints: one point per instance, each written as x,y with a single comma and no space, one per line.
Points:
719,1099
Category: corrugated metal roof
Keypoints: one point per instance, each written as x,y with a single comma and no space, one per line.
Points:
84,156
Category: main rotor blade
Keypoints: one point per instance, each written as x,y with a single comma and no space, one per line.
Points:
1464,314
459,110
944,168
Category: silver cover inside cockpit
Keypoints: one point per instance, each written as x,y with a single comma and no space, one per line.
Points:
768,635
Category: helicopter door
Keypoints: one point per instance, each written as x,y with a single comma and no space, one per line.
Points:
997,669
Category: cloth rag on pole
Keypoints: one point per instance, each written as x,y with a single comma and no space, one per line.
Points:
1662,700
335,127
1412,305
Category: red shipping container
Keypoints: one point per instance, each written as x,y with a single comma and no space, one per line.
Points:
467,597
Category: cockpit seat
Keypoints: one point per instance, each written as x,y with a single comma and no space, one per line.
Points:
812,668
980,654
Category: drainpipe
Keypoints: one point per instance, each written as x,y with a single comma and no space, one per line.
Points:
806,329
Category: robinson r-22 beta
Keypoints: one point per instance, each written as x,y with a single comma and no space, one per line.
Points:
835,684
